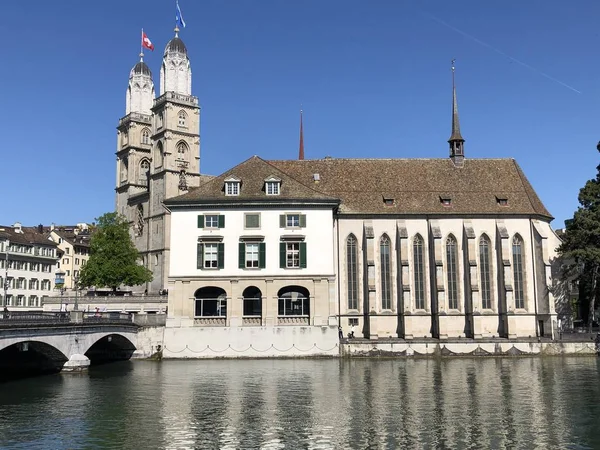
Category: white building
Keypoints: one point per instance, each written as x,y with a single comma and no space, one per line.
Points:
27,267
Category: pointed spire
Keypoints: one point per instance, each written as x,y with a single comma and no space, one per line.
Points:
301,149
456,140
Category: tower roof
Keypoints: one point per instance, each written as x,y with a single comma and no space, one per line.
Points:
176,45
456,136
141,68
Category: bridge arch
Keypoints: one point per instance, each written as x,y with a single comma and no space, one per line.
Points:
110,347
30,357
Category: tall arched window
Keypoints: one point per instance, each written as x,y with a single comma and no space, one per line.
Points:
140,220
519,287
145,136
386,278
144,169
158,155
181,149
452,272
352,269
181,119
485,272
419,272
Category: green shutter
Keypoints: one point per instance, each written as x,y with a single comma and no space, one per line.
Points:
221,221
282,255
262,247
302,220
200,255
220,255
242,255
200,221
282,221
303,255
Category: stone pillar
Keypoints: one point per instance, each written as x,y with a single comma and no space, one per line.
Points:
235,307
508,308
370,278
76,316
475,297
440,289
403,277
76,363
269,305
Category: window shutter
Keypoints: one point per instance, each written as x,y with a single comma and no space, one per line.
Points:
282,221
303,255
242,255
302,220
221,221
200,221
200,255
220,255
282,254
262,255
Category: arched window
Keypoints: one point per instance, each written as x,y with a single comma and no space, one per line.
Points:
145,136
452,272
293,301
419,272
144,170
140,220
485,272
181,150
210,302
352,270
386,278
252,301
158,155
181,119
519,287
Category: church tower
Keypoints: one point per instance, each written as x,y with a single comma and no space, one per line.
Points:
172,159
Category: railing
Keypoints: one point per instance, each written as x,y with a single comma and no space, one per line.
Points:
137,117
34,318
150,320
181,98
211,322
98,300
252,321
107,318
293,320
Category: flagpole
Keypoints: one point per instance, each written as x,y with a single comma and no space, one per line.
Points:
142,46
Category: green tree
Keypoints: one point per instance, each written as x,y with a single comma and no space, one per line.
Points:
581,245
113,257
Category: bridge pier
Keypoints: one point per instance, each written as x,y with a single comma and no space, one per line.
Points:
76,363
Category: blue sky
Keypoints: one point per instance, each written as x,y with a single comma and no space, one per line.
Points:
373,78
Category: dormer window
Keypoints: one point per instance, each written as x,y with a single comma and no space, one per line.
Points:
232,186
446,201
387,201
502,201
272,186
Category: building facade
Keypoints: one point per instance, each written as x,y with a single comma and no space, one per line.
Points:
158,154
73,251
27,267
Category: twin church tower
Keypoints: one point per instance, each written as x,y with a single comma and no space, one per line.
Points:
158,153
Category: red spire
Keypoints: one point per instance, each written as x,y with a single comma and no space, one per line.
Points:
301,149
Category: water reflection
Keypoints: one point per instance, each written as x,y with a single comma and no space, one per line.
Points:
312,404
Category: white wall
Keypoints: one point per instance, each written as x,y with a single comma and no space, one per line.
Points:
318,237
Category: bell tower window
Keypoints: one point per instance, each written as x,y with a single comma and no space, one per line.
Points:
145,136
181,150
182,119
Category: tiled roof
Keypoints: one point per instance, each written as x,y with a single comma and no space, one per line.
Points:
82,239
253,172
416,186
28,236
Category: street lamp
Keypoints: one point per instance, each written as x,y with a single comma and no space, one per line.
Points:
76,287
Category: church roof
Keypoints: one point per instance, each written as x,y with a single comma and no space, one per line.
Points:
176,45
141,68
386,186
252,174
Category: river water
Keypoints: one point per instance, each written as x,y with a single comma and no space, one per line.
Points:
479,403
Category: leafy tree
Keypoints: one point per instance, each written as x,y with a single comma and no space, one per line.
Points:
113,257
581,245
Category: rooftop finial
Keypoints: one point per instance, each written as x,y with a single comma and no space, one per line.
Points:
456,140
301,148
141,56
176,30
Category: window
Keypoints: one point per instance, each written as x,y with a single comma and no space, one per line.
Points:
502,201
252,302
292,255
210,302
20,300
293,220
33,284
181,119
388,201
144,172
352,269
33,300
210,255
252,255
181,150
158,155
139,228
211,221
77,261
67,250
232,188
83,261
446,201
353,321
252,220
65,260
293,301
485,272
419,272
161,119
386,279
145,136
452,272
519,288
272,187
9,300
68,273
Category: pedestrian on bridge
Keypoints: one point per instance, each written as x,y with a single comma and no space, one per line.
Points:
6,313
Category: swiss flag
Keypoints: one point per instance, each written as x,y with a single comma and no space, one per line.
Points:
146,42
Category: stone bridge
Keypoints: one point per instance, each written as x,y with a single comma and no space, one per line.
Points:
47,342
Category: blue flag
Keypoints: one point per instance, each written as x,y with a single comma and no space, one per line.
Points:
179,17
